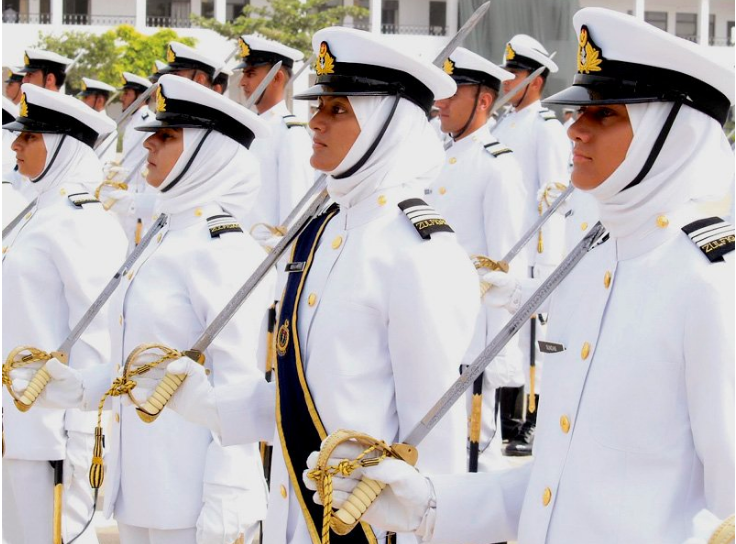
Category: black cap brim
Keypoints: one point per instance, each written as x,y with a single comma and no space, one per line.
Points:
579,95
80,132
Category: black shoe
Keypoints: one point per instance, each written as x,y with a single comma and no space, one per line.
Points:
521,446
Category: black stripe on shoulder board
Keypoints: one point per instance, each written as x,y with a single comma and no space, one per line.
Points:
221,224
713,236
80,199
424,218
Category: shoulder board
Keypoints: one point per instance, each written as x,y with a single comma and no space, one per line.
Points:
80,199
222,223
714,237
547,114
424,218
291,121
497,148
4,182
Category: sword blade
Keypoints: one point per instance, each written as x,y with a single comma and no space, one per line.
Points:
529,234
10,226
131,109
519,319
307,63
459,38
224,62
505,99
318,186
109,289
265,82
222,319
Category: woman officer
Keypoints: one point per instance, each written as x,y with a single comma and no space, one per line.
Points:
381,300
636,435
170,481
55,263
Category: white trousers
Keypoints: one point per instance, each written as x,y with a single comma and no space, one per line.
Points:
130,534
28,503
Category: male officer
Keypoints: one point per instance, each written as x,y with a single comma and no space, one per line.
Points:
45,69
95,93
12,84
481,193
284,156
543,150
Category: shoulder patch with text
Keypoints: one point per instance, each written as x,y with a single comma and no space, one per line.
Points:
713,236
424,218
221,224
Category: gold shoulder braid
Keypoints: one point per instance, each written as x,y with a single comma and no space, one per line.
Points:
346,518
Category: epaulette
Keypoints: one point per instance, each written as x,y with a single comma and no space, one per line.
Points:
291,121
80,199
497,148
547,114
145,116
222,223
424,218
714,237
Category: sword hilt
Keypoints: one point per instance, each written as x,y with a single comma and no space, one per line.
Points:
35,387
16,359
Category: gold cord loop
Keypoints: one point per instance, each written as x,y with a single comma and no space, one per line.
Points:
481,262
117,185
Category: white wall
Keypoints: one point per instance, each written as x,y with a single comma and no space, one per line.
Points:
112,8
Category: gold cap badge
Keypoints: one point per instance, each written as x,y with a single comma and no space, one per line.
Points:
84,86
160,100
590,56
510,53
325,60
244,48
26,59
448,66
170,55
23,106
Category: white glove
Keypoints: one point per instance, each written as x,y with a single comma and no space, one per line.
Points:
402,505
66,387
504,291
117,200
704,525
265,237
195,399
144,385
551,192
21,377
77,459
221,520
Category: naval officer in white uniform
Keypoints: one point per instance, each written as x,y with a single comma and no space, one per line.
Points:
636,429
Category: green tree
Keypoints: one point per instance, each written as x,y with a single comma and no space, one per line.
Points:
106,56
291,22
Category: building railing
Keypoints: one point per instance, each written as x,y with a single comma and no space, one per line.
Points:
102,20
27,18
414,30
711,41
168,22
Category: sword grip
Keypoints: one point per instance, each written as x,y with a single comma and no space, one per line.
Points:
37,384
357,503
160,397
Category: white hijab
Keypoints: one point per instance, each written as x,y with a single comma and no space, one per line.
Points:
223,172
695,164
75,162
409,154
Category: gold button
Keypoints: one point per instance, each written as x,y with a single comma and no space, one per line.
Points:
662,221
62,192
453,160
442,190
565,424
607,279
5,249
28,216
337,242
312,300
121,319
158,238
130,276
117,417
198,212
546,496
585,351
283,491
381,200
583,226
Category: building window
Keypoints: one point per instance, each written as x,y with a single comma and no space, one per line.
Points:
437,18
656,18
711,28
234,9
686,26
390,16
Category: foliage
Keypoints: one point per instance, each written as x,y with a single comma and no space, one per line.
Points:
291,22
106,56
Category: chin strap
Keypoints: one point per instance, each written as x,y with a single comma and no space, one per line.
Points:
357,166
51,162
658,144
189,164
470,118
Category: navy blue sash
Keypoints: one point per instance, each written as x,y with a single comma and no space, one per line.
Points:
300,428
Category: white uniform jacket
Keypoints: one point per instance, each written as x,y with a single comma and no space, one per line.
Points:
285,171
13,203
383,323
155,472
635,431
580,218
55,264
543,150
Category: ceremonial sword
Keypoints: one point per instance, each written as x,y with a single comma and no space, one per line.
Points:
130,110
42,377
10,226
150,410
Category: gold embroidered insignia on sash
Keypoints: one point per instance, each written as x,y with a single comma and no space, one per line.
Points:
449,66
282,339
170,55
590,56
244,48
23,106
160,100
325,61
510,53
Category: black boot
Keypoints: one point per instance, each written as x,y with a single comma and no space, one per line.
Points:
511,405
521,446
